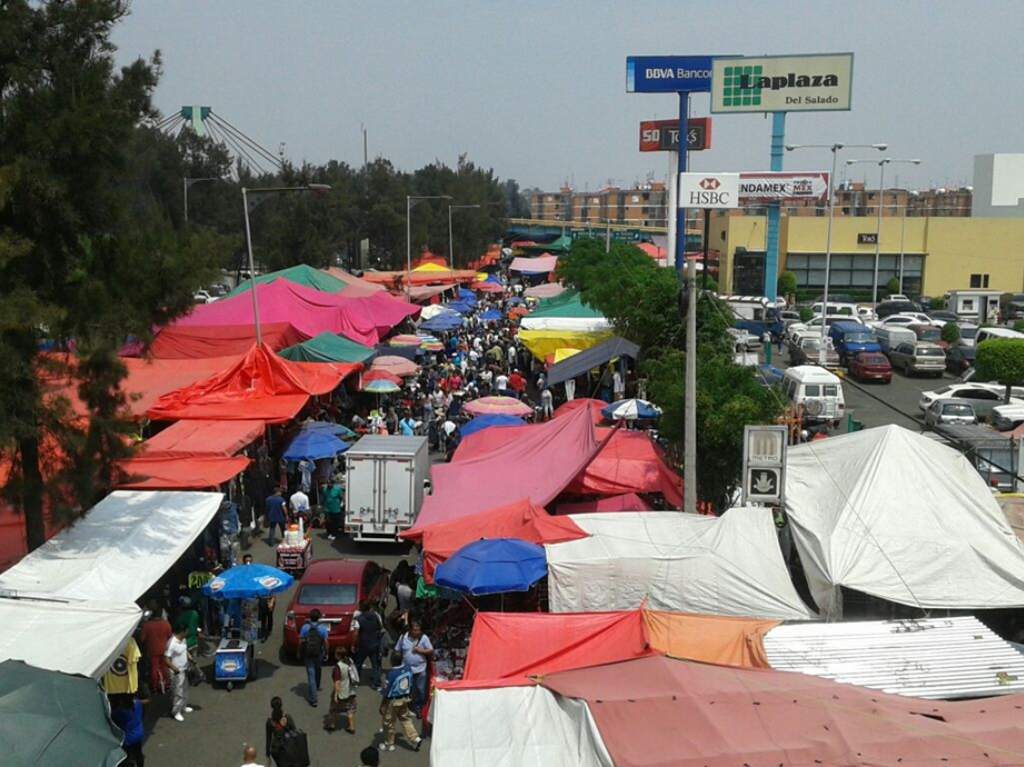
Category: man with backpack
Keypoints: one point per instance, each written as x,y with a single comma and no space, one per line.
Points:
313,637
395,705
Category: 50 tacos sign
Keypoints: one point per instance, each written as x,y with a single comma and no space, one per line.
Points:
782,83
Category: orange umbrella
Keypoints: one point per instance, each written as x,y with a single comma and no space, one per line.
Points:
395,365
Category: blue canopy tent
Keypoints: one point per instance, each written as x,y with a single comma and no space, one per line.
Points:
493,567
482,422
313,444
462,307
441,323
491,315
409,352
467,296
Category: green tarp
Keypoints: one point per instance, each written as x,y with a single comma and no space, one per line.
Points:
328,347
302,274
50,719
569,304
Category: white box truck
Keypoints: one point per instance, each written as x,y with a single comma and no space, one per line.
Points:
384,478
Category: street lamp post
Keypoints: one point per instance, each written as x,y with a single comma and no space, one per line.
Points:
320,188
451,240
410,200
834,148
187,183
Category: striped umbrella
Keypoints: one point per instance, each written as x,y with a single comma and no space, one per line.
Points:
406,339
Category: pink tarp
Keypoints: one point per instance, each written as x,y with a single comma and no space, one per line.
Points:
595,405
538,265
310,311
384,311
624,502
662,712
545,290
538,465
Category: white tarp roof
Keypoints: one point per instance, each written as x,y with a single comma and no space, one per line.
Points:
728,565
120,548
511,727
73,637
576,324
899,516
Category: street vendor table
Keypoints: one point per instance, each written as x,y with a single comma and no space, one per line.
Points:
295,559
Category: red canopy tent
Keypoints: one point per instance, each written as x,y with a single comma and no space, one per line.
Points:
203,437
260,385
595,405
179,472
197,341
624,502
629,462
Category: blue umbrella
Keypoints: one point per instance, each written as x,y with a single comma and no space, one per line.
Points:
248,582
314,444
381,386
467,295
491,315
336,429
631,410
493,567
441,323
482,422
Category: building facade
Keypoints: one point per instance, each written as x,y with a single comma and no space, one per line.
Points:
645,205
999,185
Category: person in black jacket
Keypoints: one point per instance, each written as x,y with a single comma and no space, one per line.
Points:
279,726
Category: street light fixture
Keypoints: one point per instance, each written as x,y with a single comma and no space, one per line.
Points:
317,188
878,224
187,183
410,200
834,148
451,241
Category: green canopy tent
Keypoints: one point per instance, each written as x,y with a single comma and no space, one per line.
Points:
301,274
569,304
328,347
50,719
559,245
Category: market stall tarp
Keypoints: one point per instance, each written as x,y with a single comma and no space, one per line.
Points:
199,437
624,502
300,274
537,265
118,549
629,462
198,341
520,519
569,304
736,716
197,472
260,385
513,727
385,311
309,310
596,356
354,286
328,347
595,406
482,422
541,343
728,565
442,323
538,466
729,641
70,636
50,719
897,515
545,290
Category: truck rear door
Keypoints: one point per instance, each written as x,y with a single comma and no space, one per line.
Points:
397,504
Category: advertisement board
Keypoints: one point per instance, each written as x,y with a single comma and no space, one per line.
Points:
813,83
668,74
783,187
764,464
663,135
709,190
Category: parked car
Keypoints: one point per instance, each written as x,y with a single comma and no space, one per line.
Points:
744,339
895,305
968,333
870,366
202,297
928,333
891,336
789,317
850,338
943,316
1007,417
1012,306
920,357
817,393
986,333
866,314
959,358
984,397
910,318
335,587
807,351
944,412
897,297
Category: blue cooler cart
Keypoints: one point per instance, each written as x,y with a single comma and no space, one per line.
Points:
240,587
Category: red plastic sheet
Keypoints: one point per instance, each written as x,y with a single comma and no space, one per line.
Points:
201,437
310,311
261,385
522,519
629,462
179,473
662,712
197,341
624,502
537,465
595,405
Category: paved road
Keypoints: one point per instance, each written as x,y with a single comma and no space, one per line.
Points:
223,722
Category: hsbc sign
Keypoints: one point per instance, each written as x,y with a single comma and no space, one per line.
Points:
709,190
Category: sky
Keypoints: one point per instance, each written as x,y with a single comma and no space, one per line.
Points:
536,90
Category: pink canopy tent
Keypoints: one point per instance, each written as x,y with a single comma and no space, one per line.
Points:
384,310
498,406
310,311
545,290
539,265
537,466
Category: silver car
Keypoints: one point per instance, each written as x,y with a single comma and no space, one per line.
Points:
922,357
949,411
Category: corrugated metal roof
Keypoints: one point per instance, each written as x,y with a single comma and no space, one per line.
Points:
928,658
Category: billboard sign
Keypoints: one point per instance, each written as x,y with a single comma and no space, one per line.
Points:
709,190
663,135
668,74
814,83
764,464
783,187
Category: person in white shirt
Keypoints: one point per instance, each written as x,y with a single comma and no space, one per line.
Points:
501,383
176,660
249,756
299,503
618,385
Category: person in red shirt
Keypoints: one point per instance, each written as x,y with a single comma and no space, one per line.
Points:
154,634
517,383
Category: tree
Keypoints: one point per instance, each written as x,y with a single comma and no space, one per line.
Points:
787,284
87,254
892,286
1000,360
950,332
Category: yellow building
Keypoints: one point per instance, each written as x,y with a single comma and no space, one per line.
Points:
939,254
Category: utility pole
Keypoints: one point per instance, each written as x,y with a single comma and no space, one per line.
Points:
690,403
366,160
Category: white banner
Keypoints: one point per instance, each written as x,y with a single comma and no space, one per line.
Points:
783,187
709,190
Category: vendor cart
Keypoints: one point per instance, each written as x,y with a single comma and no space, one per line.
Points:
295,559
234,662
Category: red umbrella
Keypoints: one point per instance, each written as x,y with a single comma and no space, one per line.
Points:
498,406
380,375
398,366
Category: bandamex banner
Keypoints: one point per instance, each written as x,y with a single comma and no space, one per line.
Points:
663,135
783,187
815,83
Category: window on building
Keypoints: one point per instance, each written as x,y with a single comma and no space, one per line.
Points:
979,280
636,198
968,305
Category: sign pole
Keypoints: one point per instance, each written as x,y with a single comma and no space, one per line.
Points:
680,212
771,258
690,397
673,205
704,260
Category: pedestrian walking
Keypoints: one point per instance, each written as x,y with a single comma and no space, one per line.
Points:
275,515
280,732
394,705
345,678
370,626
126,713
176,659
546,404
313,637
416,650
249,757
154,635
334,520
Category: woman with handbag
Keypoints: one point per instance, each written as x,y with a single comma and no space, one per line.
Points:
286,743
343,695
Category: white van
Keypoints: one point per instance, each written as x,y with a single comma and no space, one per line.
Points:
839,309
986,333
891,336
817,393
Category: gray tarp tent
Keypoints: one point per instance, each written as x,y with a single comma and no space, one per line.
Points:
595,356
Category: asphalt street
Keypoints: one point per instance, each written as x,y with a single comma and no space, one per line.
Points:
224,722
